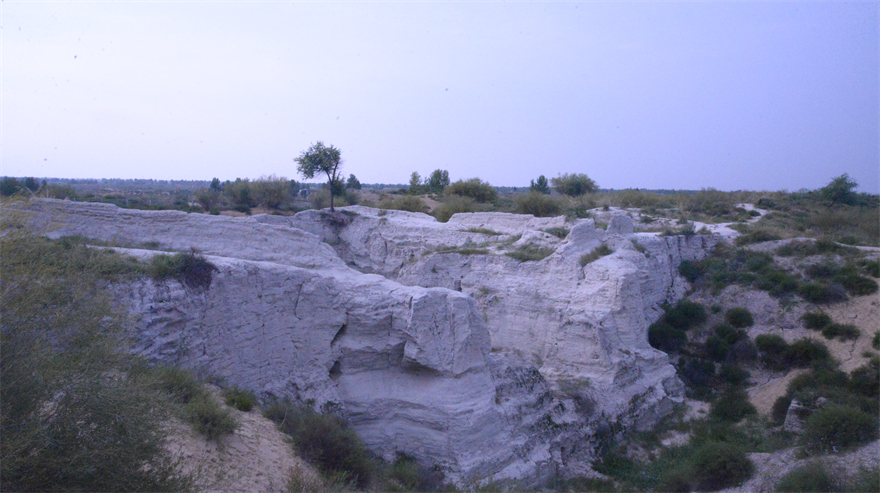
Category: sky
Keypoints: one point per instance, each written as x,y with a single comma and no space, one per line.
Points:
657,95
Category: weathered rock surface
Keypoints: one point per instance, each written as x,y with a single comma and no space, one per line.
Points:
585,324
405,354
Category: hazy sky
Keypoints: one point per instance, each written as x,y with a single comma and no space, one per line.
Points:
731,95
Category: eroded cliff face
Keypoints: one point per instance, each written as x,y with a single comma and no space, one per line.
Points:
583,327
484,365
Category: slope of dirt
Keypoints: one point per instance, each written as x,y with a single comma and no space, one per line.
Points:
257,457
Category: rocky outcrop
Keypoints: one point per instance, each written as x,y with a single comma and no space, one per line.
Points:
428,336
576,323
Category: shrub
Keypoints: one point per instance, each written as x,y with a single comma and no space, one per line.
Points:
733,374
857,285
406,474
806,479
574,184
720,465
325,441
875,341
665,337
685,314
821,293
728,334
208,418
178,385
716,348
732,406
66,426
537,204
756,236
816,320
803,352
865,380
833,428
241,399
190,269
699,374
780,409
739,317
474,188
454,205
843,331
597,253
409,203
529,253
690,270
560,232
772,348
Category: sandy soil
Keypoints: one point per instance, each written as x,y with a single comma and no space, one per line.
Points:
257,457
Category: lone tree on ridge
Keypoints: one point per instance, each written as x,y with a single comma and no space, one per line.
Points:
321,159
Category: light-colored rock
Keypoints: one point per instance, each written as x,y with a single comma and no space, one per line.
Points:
404,354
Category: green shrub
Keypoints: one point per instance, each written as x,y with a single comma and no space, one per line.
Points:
474,188
835,428
698,374
208,418
865,380
690,270
685,314
406,474
409,203
756,236
871,267
77,413
732,406
189,269
843,331
529,253
325,441
857,285
803,352
179,386
597,253
739,317
729,334
810,478
821,293
716,348
772,348
537,204
816,320
665,337
574,184
560,232
241,399
875,341
733,374
454,205
780,409
719,465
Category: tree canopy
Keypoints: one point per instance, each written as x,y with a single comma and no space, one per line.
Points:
840,190
574,184
540,186
321,159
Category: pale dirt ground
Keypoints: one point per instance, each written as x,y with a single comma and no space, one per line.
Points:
256,458
864,313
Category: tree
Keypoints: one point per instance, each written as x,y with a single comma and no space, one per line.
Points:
473,188
353,183
215,185
415,183
540,186
840,190
574,184
321,159
438,180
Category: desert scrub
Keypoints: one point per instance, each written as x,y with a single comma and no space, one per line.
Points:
559,232
243,400
191,269
407,203
537,204
835,428
810,478
597,253
639,247
815,320
325,441
732,406
208,418
482,231
530,253
66,425
462,250
756,236
844,332
739,317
